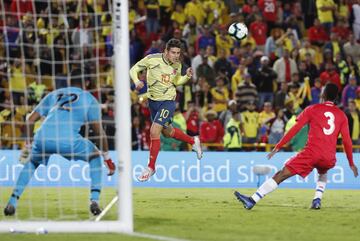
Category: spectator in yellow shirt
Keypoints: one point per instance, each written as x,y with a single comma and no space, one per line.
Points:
17,82
179,16
220,95
250,120
266,114
325,10
224,41
249,40
132,17
306,49
214,10
195,9
165,11
237,78
343,9
293,96
209,52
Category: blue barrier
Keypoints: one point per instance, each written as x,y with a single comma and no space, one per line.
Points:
178,169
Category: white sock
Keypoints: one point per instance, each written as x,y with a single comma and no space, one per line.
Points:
320,188
267,187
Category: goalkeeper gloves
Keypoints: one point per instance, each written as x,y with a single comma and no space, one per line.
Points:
25,154
109,164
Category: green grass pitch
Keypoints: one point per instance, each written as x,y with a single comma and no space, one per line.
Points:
202,214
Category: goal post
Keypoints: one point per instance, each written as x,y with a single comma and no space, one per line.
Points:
123,112
123,222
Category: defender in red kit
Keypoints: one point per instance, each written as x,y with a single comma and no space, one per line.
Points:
326,121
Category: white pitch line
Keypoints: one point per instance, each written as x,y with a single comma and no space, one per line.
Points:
156,237
107,208
136,234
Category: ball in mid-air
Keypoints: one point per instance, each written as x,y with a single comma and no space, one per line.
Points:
238,31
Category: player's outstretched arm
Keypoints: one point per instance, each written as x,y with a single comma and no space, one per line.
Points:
180,80
30,121
301,120
25,151
348,146
99,131
272,153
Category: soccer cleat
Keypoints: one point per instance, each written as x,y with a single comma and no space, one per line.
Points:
94,208
197,147
146,174
316,204
248,202
9,210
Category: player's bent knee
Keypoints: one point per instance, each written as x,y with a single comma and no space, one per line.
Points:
323,177
155,132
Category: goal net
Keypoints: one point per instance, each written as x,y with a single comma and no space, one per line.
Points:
42,43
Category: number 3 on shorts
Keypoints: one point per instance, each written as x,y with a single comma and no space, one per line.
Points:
331,123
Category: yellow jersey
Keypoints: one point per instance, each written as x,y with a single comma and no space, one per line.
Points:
17,80
196,10
264,117
180,18
356,127
162,77
325,16
224,42
220,98
166,3
251,123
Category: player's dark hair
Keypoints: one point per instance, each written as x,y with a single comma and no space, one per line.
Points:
76,78
173,43
330,92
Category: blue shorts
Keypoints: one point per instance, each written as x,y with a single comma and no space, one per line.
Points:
77,149
162,112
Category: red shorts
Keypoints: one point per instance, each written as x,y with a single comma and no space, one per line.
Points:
305,161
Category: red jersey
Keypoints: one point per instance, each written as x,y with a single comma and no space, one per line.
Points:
211,132
268,9
342,32
22,7
317,34
326,122
258,32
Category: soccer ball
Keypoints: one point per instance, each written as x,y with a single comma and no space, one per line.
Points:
238,31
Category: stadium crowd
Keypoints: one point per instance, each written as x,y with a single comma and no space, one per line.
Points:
242,92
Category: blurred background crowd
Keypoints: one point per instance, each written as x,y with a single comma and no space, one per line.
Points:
243,95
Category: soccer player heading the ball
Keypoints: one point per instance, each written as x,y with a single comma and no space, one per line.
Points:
163,76
65,111
326,122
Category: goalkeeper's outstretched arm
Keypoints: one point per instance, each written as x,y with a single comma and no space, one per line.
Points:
30,121
104,146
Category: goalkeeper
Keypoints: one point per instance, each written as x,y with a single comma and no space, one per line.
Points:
65,111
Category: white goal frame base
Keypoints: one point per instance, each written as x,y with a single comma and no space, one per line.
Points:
65,227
